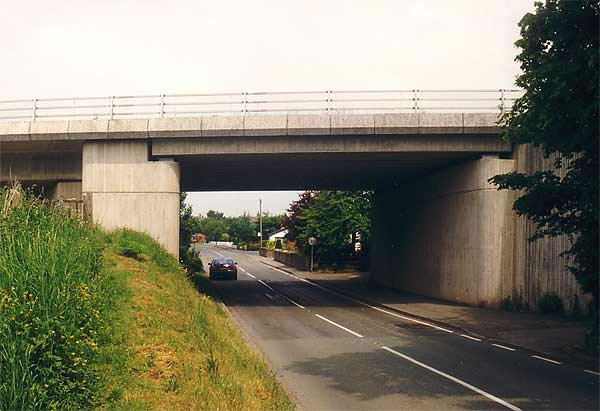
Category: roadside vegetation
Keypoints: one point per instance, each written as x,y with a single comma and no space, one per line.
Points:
559,113
55,305
176,347
96,320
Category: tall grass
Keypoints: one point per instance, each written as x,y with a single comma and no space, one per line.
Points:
54,303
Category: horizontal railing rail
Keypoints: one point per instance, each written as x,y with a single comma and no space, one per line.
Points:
247,103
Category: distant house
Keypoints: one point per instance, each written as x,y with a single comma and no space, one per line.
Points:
279,234
198,238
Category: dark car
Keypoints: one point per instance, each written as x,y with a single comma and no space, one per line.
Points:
223,268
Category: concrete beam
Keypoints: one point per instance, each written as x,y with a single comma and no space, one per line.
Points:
88,129
347,124
275,125
131,128
396,123
216,126
308,125
18,131
49,130
175,127
440,123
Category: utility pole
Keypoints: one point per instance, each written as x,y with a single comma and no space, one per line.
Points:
260,219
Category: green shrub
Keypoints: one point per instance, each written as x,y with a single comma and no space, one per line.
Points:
550,303
54,306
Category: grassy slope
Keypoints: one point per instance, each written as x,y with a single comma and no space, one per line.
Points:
175,347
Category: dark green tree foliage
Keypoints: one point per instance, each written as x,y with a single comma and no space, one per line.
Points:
241,229
559,112
292,220
332,217
188,225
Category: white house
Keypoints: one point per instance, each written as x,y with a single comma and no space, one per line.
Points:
279,234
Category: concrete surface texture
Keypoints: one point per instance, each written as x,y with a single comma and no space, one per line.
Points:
66,190
253,125
442,235
127,190
453,236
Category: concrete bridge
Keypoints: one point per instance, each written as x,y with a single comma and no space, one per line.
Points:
439,228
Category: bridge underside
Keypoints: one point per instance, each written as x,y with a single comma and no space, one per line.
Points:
314,171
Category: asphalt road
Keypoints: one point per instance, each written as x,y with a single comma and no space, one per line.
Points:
333,353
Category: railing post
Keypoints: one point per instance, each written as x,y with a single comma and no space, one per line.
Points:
329,101
33,109
162,105
502,107
112,106
245,101
416,100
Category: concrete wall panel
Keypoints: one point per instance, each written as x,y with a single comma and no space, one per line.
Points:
308,125
128,128
175,127
88,129
346,124
49,130
126,190
17,131
265,125
440,123
396,123
442,237
223,126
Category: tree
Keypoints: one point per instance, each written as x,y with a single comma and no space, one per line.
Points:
241,229
332,218
188,225
292,220
559,112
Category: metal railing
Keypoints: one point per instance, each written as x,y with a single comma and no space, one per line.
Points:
247,103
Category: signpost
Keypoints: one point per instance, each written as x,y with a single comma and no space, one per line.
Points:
312,241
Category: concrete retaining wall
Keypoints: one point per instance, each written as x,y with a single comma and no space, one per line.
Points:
292,259
453,236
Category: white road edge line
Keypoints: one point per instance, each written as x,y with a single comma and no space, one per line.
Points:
456,380
339,326
363,303
276,292
592,372
547,359
470,338
503,347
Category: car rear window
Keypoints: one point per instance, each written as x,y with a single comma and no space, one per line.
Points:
222,261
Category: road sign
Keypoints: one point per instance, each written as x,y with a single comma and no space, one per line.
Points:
312,241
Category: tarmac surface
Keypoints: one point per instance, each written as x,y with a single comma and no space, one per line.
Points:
337,344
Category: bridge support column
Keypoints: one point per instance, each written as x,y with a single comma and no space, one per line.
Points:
124,189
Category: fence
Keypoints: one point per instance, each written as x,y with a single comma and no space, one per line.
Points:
248,103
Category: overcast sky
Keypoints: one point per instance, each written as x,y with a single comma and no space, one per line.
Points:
61,48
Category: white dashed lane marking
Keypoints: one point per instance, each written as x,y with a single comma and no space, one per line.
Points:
503,347
339,326
547,359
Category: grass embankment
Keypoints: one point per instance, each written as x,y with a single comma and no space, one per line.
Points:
54,306
177,348
84,326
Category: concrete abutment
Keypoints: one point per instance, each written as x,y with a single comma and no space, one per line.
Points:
452,236
126,190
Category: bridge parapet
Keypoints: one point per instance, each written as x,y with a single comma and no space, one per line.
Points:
257,125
